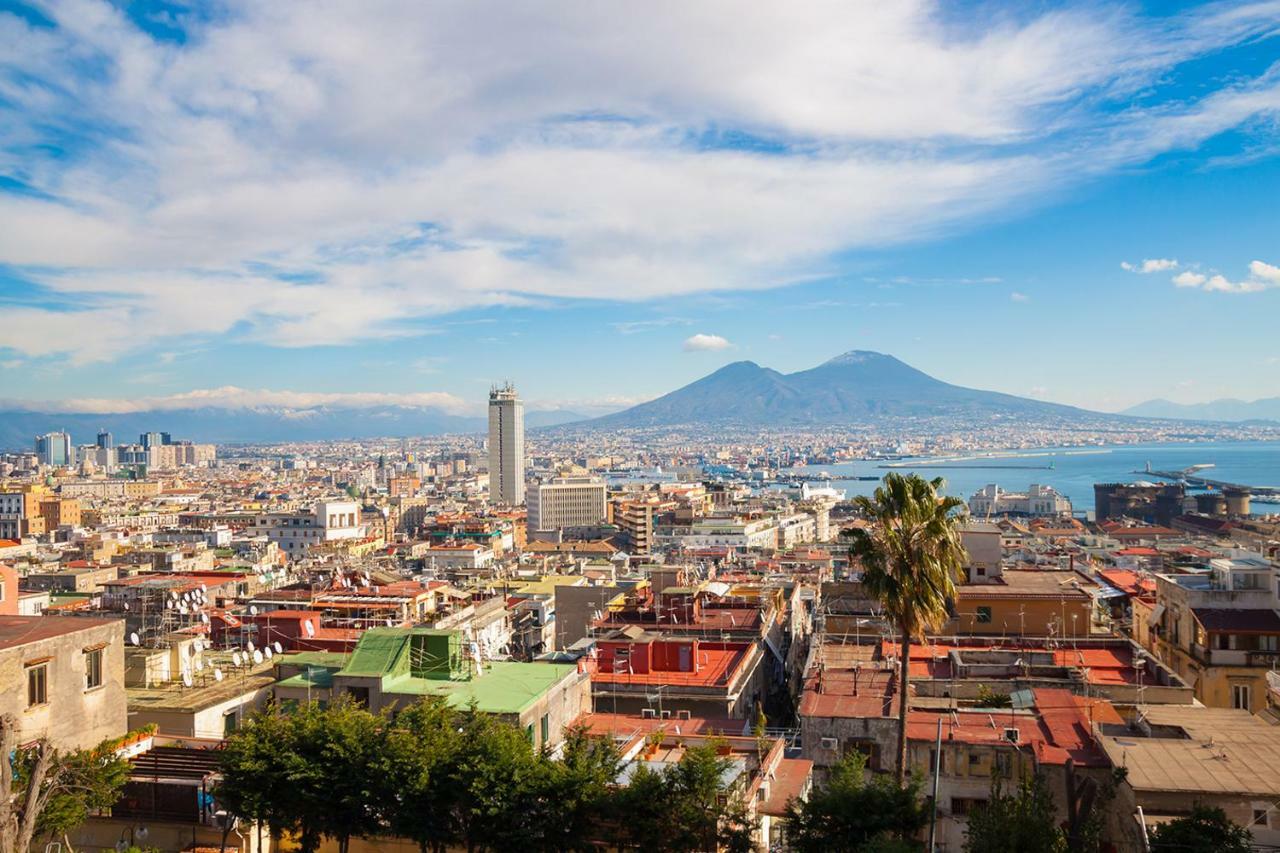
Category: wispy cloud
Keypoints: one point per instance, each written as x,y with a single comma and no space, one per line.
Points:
705,343
264,181
231,397
1150,265
632,327
1015,296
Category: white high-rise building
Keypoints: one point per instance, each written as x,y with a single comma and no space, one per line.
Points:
567,502
506,446
54,448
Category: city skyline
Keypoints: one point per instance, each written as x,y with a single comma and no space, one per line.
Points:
1037,203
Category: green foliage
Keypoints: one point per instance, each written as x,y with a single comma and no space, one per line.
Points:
449,779
853,814
684,807
988,698
85,781
910,557
1025,820
1205,830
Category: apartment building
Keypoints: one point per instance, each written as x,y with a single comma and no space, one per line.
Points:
567,502
295,532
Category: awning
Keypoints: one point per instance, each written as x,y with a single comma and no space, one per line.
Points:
1109,592
1155,616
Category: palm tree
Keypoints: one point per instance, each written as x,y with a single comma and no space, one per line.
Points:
910,556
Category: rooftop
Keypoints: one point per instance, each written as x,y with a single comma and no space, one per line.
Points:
17,631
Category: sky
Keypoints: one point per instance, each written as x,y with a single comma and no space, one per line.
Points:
256,204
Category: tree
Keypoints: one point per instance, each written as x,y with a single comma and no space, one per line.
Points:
44,793
418,752
853,815
578,799
312,771
910,557
685,807
1025,821
495,780
1205,830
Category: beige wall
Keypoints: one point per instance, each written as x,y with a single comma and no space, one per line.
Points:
73,717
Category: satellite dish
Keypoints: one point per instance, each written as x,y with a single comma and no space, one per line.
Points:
126,605
391,623
257,657
235,658
253,610
199,664
217,674
203,589
168,604
182,608
133,639
186,679
269,654
249,645
279,648
173,593
204,617
309,628
198,645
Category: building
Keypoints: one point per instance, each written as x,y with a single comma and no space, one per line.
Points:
636,518
1178,757
20,513
295,532
1150,502
567,502
64,678
664,676
1219,630
105,440
1036,501
506,446
54,449
1027,603
394,667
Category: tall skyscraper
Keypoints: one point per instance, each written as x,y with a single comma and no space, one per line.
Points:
506,446
54,448
105,441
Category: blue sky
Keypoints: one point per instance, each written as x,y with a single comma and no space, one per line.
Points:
261,204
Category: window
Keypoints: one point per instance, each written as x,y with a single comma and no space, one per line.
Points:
37,685
1259,817
92,669
230,721
546,728
983,615
1241,696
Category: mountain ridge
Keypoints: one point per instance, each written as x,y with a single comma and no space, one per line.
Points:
858,385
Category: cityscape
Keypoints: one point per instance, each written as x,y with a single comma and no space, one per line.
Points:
676,428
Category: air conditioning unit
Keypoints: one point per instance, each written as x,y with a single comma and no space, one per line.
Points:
648,713
1011,734
829,743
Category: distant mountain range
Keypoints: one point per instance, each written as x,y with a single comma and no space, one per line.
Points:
261,425
859,386
1226,409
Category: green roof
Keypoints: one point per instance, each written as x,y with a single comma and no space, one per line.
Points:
428,662
312,676
506,687
333,660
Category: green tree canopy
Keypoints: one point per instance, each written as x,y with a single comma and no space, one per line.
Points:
1024,820
850,814
1205,830
910,556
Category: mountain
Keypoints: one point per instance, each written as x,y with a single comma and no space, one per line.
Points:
244,425
855,387
1226,409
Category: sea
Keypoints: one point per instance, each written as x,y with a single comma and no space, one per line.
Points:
1071,470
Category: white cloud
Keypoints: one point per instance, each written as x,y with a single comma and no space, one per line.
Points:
705,343
302,175
231,397
1262,276
1019,297
1151,265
